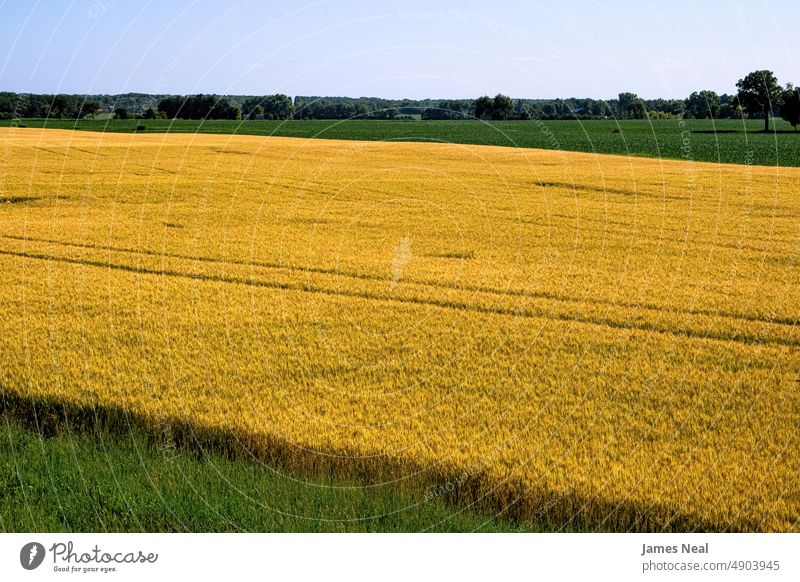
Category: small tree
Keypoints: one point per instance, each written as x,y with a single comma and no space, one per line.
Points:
120,113
790,107
758,93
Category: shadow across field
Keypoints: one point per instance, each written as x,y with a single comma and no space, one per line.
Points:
465,489
604,190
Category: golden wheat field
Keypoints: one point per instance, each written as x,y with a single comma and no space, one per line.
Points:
604,342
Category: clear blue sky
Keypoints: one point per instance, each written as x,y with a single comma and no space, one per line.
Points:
415,49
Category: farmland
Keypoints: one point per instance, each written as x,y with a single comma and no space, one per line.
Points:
570,339
726,141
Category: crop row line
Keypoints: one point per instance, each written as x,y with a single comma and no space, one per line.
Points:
454,305
782,321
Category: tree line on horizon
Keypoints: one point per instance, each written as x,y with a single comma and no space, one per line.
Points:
758,95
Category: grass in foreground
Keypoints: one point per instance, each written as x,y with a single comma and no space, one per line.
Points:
728,140
127,483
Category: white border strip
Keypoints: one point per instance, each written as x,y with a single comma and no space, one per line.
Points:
404,557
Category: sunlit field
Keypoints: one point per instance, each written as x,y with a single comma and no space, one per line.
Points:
577,340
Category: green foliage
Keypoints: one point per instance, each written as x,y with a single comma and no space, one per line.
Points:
627,104
198,107
522,110
453,109
483,107
637,110
759,94
502,107
790,106
662,115
703,105
276,106
89,108
64,106
254,112
499,108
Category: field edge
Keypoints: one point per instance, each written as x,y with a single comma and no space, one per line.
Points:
459,490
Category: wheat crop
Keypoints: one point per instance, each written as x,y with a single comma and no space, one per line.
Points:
596,341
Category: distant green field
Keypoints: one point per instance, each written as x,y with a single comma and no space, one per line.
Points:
100,481
727,141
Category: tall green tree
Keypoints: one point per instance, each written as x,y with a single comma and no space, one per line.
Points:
759,93
790,106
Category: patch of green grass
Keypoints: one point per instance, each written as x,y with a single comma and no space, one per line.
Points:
106,482
727,141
